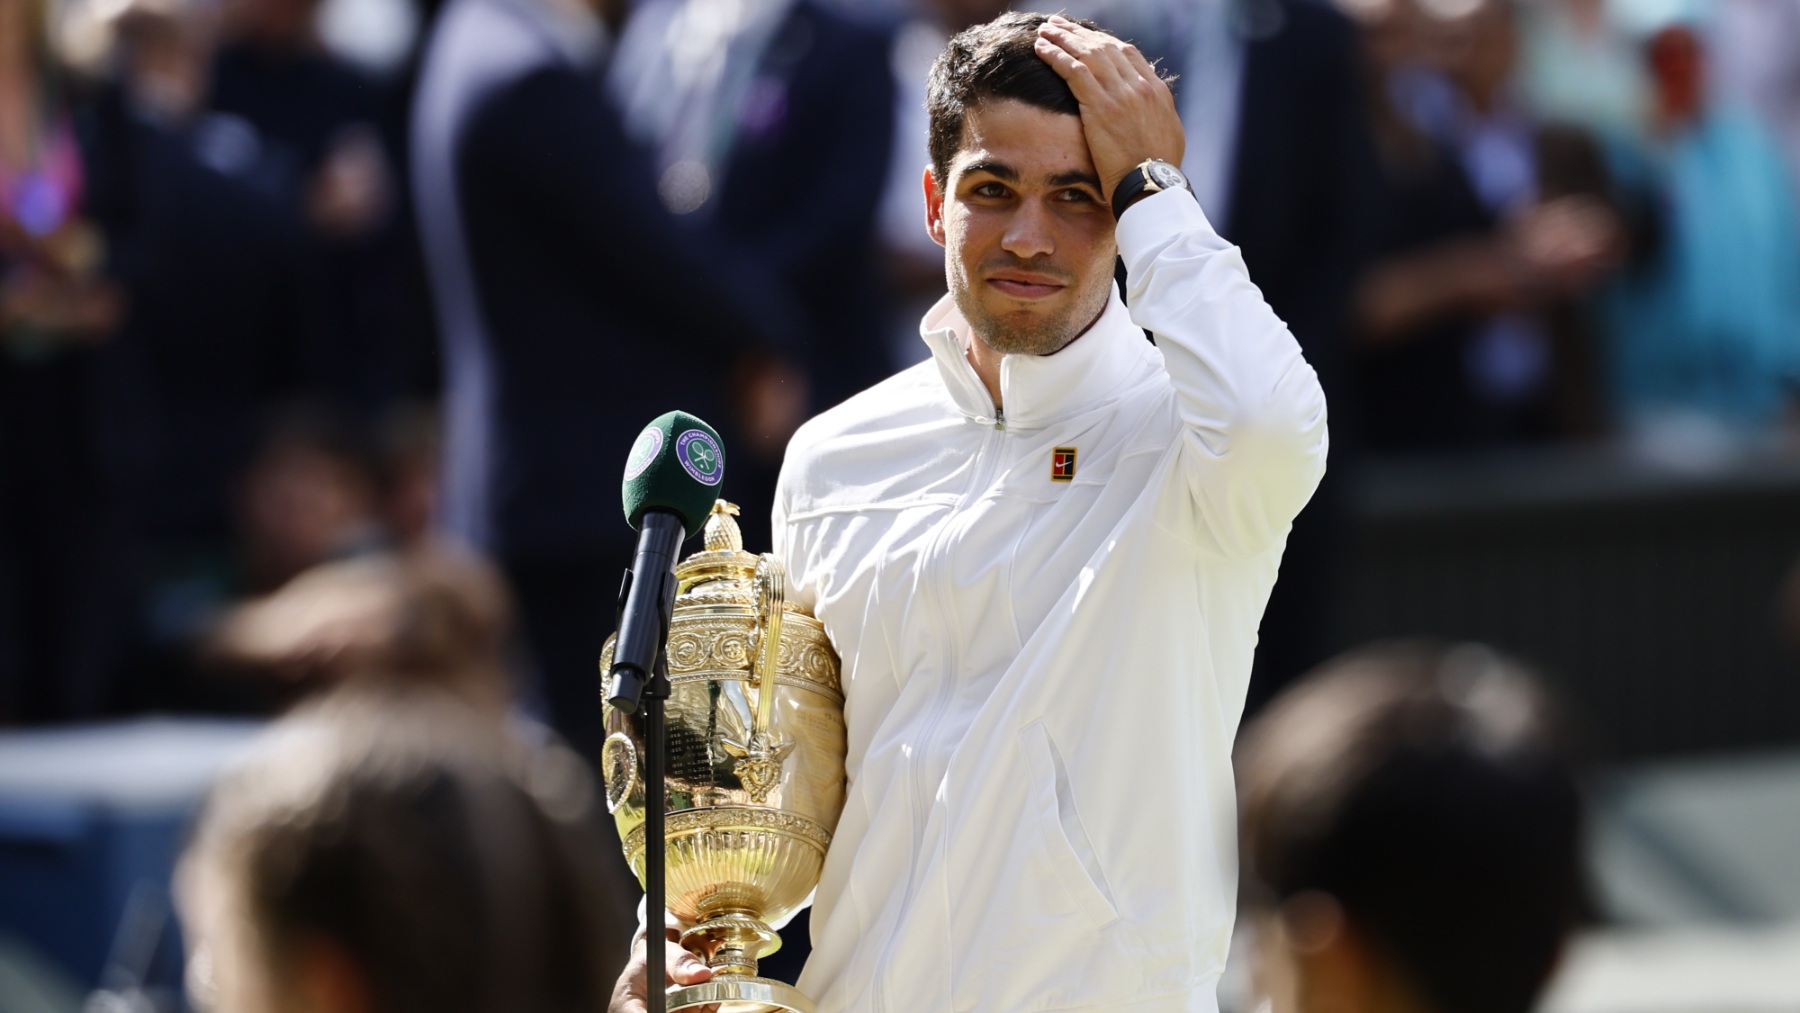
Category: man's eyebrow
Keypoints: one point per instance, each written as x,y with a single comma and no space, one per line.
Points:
999,170
1076,176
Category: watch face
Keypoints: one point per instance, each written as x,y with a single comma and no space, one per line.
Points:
1166,176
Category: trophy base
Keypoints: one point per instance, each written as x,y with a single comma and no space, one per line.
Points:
734,994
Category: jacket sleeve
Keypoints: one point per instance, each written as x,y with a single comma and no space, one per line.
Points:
1253,415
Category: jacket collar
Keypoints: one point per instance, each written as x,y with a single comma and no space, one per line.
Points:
1038,389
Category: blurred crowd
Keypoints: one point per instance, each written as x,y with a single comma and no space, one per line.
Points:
325,326
290,282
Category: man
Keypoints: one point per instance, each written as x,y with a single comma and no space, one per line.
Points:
1043,556
1411,836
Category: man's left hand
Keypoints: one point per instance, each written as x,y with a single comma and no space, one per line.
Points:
1127,112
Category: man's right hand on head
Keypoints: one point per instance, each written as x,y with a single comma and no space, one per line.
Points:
632,995
1127,111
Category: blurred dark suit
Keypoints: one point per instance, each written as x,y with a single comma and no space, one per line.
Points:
804,181
800,124
203,235
572,310
1304,173
203,231
367,338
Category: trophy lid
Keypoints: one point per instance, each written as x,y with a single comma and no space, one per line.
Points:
724,557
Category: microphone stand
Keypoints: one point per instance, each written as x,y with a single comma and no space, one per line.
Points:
647,702
656,693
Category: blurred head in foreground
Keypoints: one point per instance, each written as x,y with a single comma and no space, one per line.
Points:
1411,836
390,849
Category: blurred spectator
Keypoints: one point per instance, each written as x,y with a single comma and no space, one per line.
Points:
1549,182
735,97
62,527
1495,227
391,850
330,128
573,310
411,447
206,243
310,496
1761,39
272,72
1706,333
1577,67
1411,836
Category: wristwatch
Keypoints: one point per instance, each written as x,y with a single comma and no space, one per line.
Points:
1149,176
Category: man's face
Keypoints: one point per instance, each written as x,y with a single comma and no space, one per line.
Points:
1028,242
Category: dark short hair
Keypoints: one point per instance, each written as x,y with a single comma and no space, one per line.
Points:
457,870
995,60
1427,789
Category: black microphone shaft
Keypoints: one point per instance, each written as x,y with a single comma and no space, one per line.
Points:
645,625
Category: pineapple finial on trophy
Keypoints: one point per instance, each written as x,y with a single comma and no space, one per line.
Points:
722,533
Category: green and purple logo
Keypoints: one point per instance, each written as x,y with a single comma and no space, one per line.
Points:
700,456
649,444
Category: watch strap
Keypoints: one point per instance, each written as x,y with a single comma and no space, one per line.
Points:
1136,182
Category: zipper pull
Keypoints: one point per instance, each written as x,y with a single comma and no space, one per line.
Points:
999,418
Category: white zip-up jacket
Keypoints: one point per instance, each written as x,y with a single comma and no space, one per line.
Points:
1043,677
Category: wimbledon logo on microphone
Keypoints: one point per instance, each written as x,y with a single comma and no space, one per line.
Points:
649,444
700,456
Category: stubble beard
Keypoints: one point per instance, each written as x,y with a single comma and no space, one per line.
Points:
1033,334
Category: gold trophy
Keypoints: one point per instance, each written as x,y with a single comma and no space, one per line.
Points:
755,779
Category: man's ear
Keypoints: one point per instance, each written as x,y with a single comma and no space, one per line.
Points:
1337,967
327,979
934,207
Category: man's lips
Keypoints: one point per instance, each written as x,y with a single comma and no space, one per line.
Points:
1026,285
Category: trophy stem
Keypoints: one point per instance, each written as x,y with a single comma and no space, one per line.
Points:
734,941
741,995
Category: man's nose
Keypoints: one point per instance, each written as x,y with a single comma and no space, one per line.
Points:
1028,232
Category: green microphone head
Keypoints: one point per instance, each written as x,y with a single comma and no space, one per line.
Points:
676,464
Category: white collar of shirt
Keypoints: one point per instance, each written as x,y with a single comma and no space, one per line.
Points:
1038,389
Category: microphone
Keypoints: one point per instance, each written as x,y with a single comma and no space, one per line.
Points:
671,480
